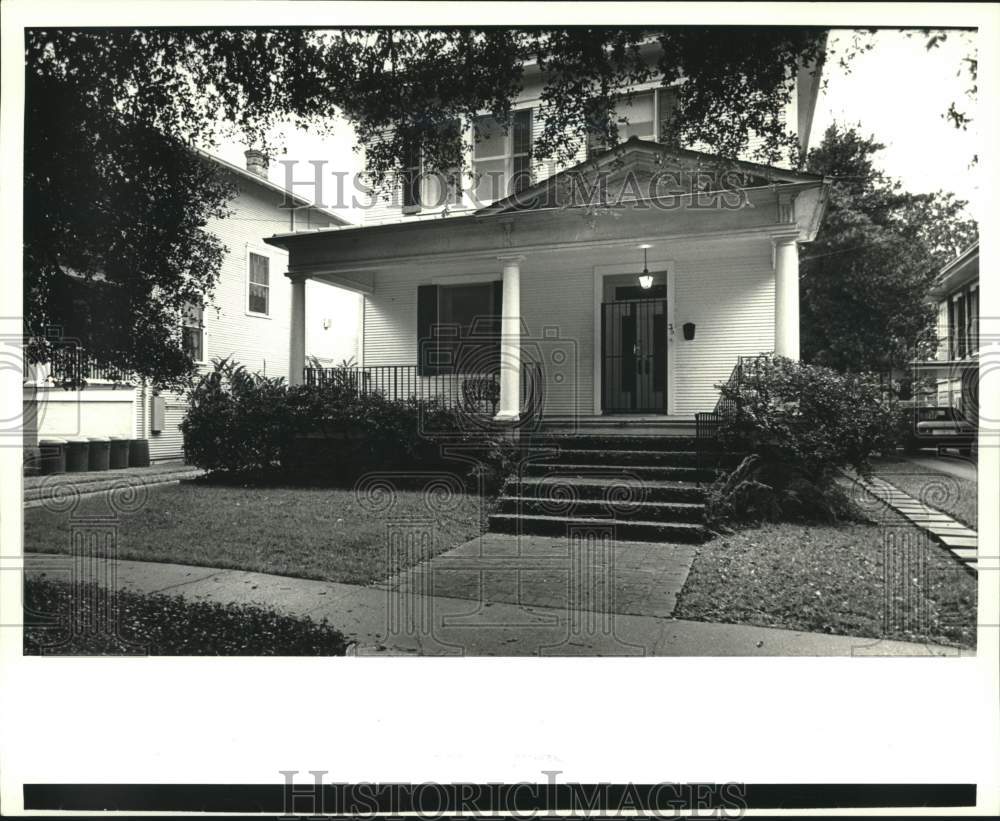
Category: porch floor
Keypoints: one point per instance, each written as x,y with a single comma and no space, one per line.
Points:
623,424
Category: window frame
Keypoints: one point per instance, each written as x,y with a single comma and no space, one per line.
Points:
260,252
203,359
489,284
508,156
593,147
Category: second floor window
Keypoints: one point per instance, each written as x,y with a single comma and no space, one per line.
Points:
646,116
963,322
501,162
193,331
423,186
259,285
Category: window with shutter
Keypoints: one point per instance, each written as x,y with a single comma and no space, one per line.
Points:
458,328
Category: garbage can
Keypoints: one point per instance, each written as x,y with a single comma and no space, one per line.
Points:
32,460
77,454
119,452
53,456
138,453
100,452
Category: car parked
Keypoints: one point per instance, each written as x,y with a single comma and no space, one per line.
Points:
942,427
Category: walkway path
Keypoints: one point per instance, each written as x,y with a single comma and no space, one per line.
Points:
384,621
40,490
960,467
962,541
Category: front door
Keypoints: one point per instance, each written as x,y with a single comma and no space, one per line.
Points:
634,351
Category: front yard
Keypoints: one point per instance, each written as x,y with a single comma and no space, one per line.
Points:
152,624
955,496
327,534
884,580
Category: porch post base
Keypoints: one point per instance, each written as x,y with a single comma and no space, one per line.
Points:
507,425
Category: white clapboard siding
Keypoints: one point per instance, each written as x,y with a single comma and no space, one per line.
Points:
725,288
731,301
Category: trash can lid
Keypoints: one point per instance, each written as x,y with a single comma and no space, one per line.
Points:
119,438
51,440
98,439
77,439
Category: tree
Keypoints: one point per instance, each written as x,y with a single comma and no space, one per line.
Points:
866,277
117,202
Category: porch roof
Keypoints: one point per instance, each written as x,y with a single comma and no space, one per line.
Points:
787,204
635,154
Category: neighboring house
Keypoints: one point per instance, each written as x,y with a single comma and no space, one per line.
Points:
542,295
248,319
955,365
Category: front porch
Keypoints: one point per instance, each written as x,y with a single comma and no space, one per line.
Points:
540,309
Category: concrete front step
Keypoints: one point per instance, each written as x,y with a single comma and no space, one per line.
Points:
624,529
604,442
605,487
686,474
621,509
573,456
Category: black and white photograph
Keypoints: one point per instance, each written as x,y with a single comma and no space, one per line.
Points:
531,336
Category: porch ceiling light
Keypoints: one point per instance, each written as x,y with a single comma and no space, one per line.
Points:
645,278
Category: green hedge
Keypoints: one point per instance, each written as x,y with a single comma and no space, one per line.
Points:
243,424
800,425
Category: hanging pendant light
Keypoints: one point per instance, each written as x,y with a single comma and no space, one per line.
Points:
645,278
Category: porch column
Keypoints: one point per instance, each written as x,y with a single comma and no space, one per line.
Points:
786,298
509,409
297,332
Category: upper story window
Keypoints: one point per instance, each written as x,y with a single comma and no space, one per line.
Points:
963,322
193,331
645,115
501,162
426,187
259,284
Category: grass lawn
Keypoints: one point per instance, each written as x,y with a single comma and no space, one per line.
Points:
834,579
158,625
956,497
311,533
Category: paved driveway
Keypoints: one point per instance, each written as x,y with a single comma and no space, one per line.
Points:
957,466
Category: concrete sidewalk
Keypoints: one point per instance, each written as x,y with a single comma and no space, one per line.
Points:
400,622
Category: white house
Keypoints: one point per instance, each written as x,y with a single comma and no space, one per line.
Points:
543,285
248,320
955,365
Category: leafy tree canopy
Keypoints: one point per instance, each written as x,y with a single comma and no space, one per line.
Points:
113,193
866,277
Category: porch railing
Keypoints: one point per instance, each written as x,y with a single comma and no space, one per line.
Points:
469,392
707,423
71,365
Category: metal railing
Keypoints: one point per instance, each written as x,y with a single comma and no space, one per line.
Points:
72,365
707,423
470,392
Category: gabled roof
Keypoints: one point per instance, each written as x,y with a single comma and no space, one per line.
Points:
274,187
648,158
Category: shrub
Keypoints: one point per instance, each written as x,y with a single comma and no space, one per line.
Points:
245,424
160,625
236,420
802,424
